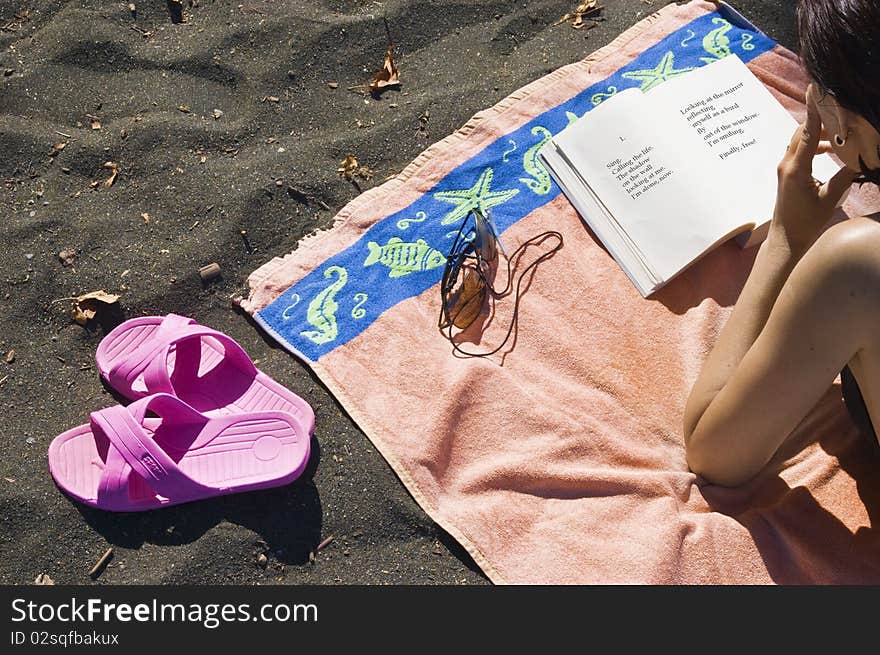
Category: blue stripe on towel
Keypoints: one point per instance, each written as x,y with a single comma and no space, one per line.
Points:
402,256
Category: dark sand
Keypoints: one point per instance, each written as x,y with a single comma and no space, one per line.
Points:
202,181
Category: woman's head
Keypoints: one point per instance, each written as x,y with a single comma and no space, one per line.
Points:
840,48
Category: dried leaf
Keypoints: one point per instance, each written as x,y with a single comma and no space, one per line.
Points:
44,579
388,76
184,109
146,218
87,306
586,9
271,99
10,357
114,171
333,85
217,114
349,168
58,147
95,123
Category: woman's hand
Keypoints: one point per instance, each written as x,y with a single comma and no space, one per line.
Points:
803,204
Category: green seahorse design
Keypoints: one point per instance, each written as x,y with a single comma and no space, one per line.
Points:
403,258
358,311
539,183
598,98
716,42
322,310
404,223
747,42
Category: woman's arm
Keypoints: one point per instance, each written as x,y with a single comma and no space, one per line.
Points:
716,447
773,265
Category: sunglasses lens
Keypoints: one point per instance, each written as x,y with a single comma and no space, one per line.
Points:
464,302
468,266
485,240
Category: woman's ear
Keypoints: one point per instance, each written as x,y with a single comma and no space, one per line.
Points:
846,120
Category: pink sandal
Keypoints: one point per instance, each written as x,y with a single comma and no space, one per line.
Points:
124,462
203,367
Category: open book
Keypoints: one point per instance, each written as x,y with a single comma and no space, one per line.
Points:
665,176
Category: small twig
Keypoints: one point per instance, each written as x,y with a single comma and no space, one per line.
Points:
3,379
68,136
101,563
324,544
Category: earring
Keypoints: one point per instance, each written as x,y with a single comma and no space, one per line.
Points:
839,141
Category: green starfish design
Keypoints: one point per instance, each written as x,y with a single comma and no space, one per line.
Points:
655,77
477,197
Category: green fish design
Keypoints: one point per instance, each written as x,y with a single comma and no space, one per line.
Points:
716,42
541,184
403,258
322,310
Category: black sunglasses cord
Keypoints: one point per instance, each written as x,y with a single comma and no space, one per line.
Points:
535,240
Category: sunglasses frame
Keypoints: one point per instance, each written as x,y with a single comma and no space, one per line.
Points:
482,248
482,271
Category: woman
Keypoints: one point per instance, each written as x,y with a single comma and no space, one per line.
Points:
811,306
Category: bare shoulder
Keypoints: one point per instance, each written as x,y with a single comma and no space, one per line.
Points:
851,246
843,266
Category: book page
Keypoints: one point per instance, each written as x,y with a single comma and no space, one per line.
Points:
653,175
594,213
744,127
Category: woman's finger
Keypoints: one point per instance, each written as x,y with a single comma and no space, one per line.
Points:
808,142
812,102
795,139
832,191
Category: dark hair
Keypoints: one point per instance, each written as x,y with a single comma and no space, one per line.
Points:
840,48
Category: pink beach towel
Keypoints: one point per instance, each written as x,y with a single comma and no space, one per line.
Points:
561,459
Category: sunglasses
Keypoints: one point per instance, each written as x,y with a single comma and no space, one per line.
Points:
466,287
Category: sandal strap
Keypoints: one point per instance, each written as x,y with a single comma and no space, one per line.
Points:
123,374
187,342
113,486
139,451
